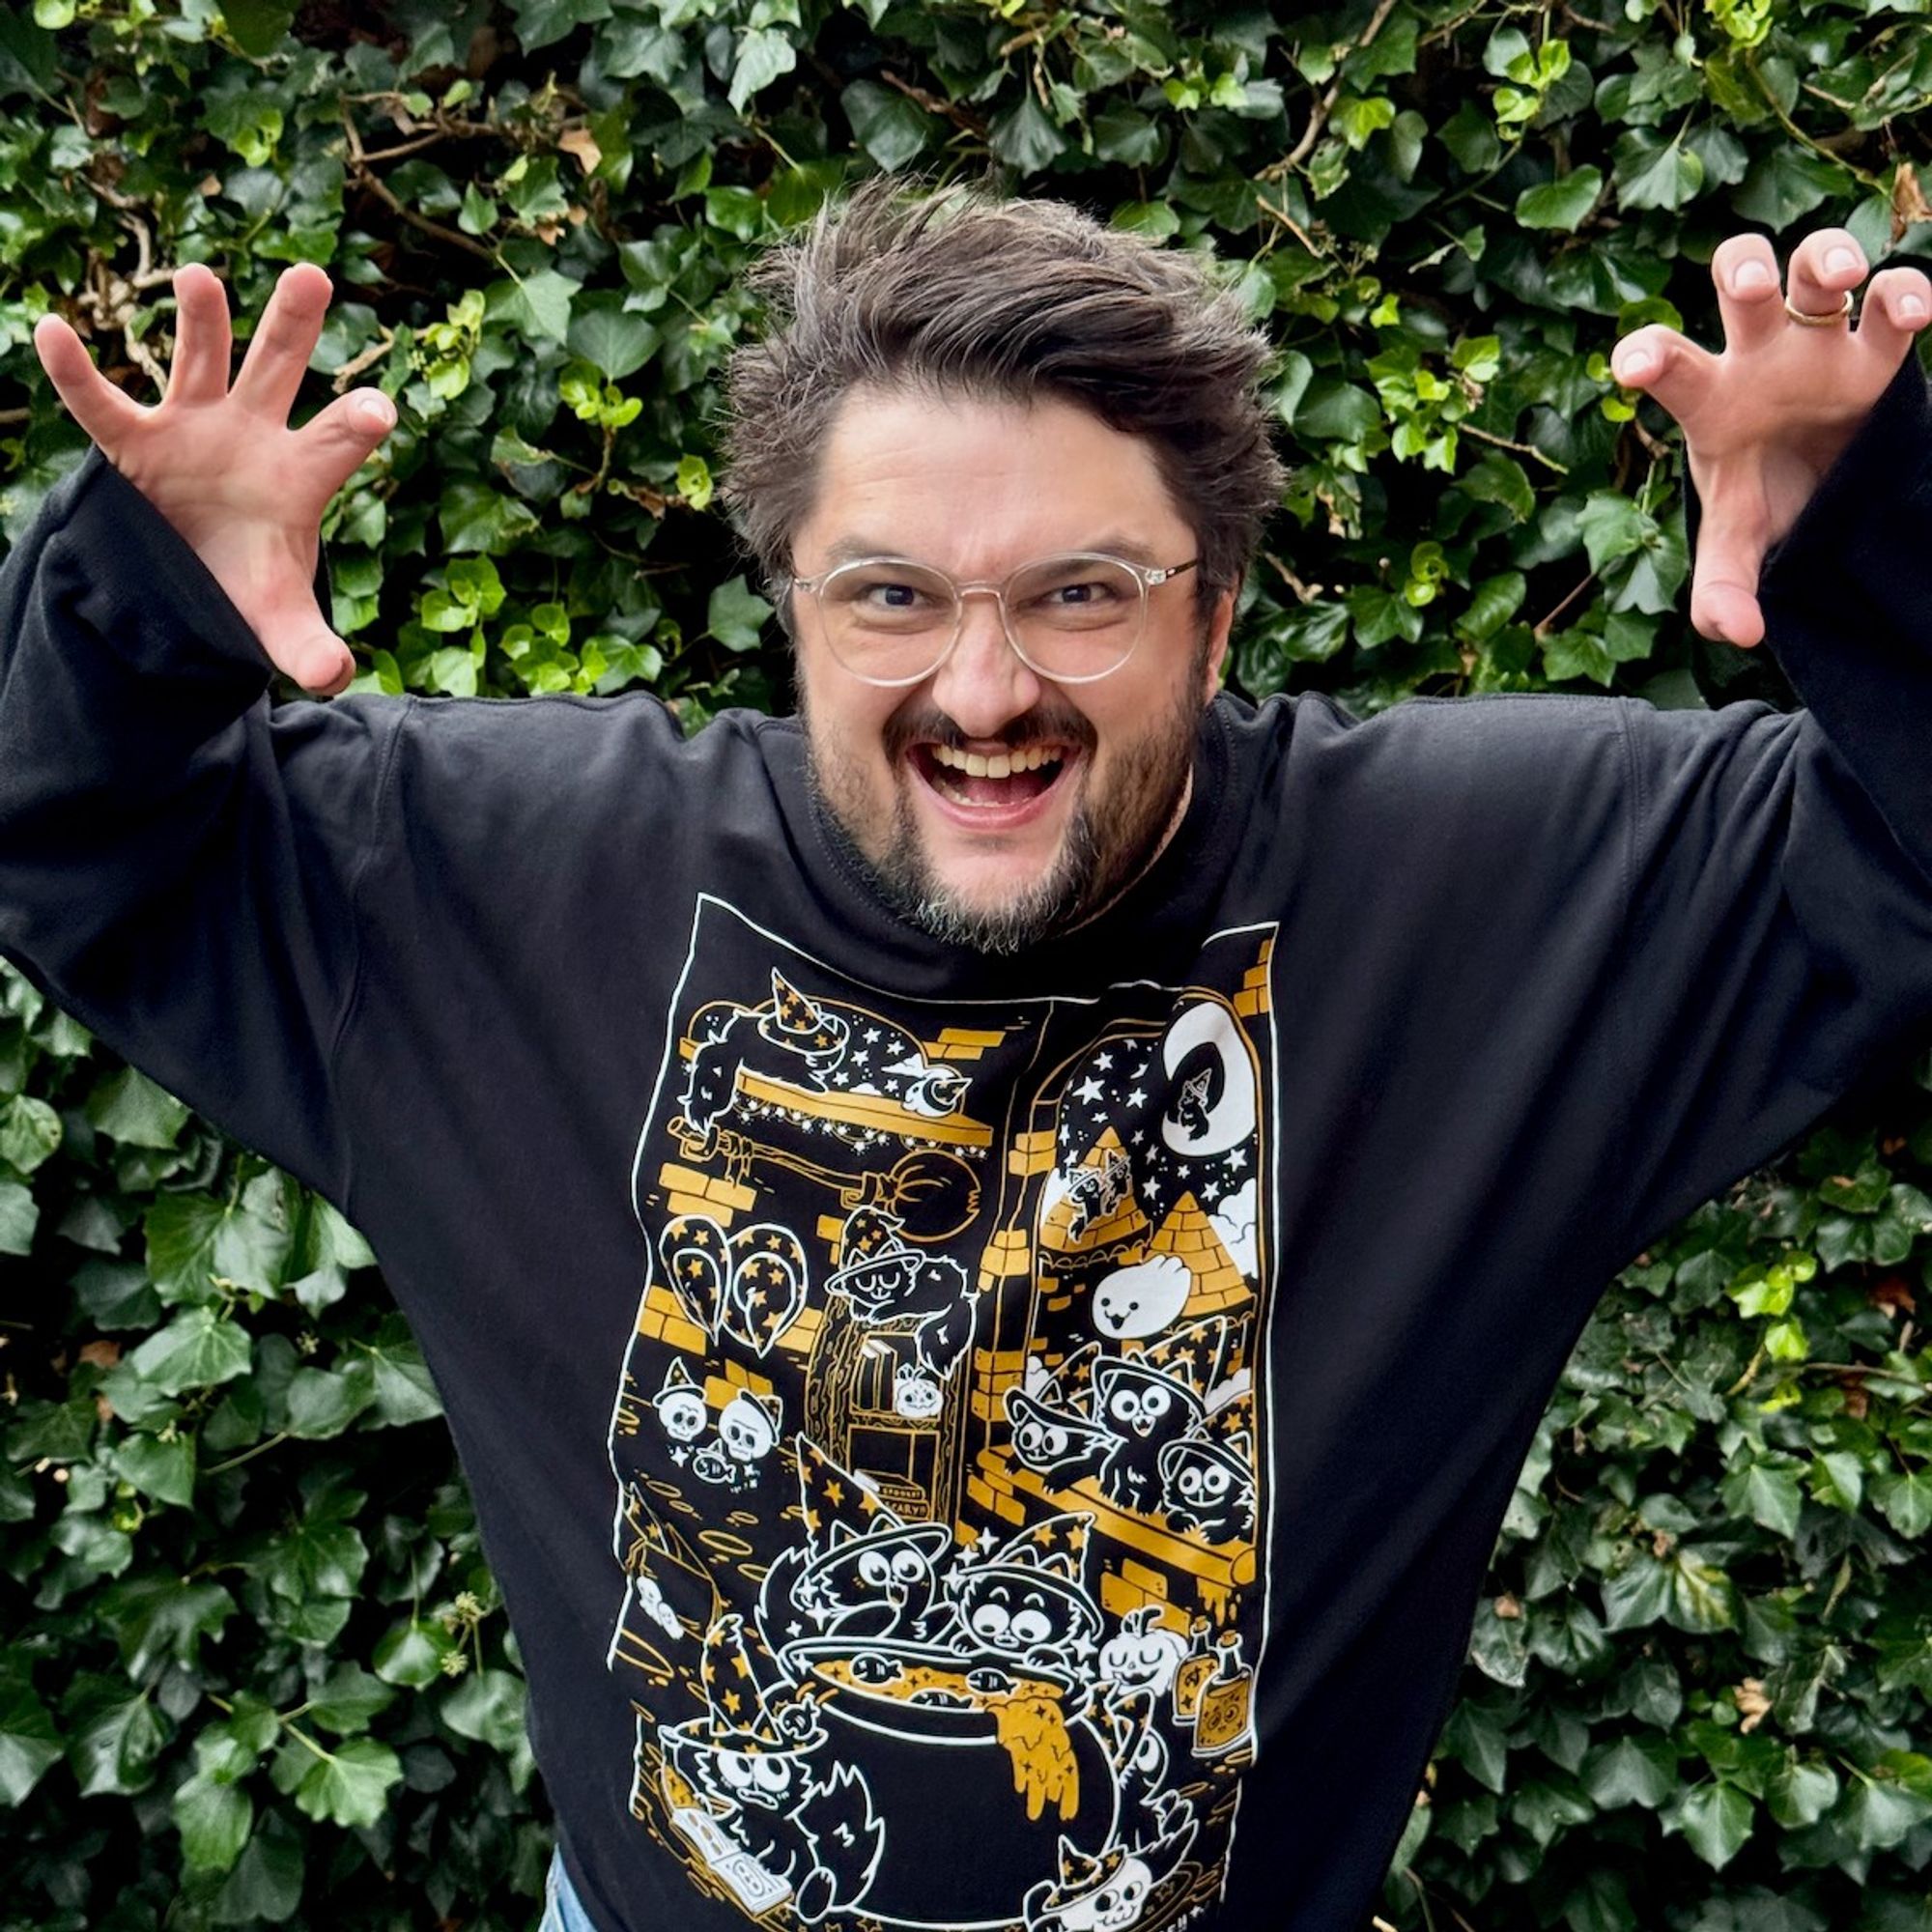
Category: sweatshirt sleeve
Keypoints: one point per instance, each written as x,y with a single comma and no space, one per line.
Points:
178,859
1779,939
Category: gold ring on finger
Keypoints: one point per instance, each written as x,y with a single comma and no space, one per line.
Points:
1810,320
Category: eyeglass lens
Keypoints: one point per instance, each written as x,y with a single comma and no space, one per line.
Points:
1071,617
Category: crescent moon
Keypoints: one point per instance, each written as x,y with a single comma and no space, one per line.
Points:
1208,1023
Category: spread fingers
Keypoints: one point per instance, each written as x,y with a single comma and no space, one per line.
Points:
1744,270
107,415
1825,267
1896,307
284,339
1667,367
203,340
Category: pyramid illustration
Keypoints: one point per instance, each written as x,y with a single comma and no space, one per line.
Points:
1188,1232
1125,1222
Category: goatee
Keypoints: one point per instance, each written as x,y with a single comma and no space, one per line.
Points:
1093,867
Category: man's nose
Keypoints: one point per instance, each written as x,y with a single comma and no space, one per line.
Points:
984,686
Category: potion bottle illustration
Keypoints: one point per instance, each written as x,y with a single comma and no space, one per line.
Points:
1222,1720
1192,1674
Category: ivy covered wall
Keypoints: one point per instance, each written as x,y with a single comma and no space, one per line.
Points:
255,1671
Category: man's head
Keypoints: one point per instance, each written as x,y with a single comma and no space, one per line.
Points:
969,386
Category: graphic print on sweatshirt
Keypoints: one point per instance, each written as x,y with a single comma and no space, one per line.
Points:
938,1445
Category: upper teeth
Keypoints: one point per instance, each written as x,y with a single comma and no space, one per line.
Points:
1001,764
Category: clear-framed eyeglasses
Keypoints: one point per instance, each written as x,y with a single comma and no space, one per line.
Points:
1074,618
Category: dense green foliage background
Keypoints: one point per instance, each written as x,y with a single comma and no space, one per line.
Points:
255,1670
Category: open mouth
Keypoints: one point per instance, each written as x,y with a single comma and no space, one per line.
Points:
991,781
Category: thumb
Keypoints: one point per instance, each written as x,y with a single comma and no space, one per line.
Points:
318,660
301,644
336,442
1724,588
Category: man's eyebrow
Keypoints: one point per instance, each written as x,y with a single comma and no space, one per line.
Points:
851,549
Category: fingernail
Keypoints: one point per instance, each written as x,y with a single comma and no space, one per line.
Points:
376,413
1749,275
1841,262
1911,309
1636,365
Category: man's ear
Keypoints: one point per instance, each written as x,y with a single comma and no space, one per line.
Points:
1214,651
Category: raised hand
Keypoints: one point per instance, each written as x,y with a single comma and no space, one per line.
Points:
222,465
1764,420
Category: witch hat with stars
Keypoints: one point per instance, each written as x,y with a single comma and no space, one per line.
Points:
1080,1876
797,1022
869,1234
837,1504
1056,1542
747,1715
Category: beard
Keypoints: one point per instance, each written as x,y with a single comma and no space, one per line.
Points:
1112,835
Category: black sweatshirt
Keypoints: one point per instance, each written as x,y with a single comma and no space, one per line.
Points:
971,1441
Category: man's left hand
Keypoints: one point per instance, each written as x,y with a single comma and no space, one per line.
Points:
1765,420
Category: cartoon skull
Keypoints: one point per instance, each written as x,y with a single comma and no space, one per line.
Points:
745,1429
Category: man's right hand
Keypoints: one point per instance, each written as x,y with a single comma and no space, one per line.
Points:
222,465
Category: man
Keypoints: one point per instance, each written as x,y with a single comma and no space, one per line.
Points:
991,1354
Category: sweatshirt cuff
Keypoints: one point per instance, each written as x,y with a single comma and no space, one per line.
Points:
1847,600
137,583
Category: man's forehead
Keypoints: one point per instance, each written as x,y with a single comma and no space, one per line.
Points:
968,479
850,546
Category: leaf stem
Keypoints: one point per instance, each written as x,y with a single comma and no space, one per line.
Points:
260,1448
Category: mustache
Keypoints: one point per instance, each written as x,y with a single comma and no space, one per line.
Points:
925,723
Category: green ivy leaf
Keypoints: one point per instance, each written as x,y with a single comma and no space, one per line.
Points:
412,1653
314,1558
158,1618
349,1699
1801,1794
20,1216
1611,526
474,517
157,1467
30,1130
763,54
537,306
194,1242
1025,137
618,343
1652,172
736,615
324,1402
1561,204
1497,1646
1766,1489
1716,1820
1876,1814
114,1746
267,1882
1630,1770
214,1821
29,1742
349,1786
487,1705
197,1349
258,25
892,130
542,22
402,1391
1906,1500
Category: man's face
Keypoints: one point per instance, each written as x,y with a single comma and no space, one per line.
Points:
977,489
